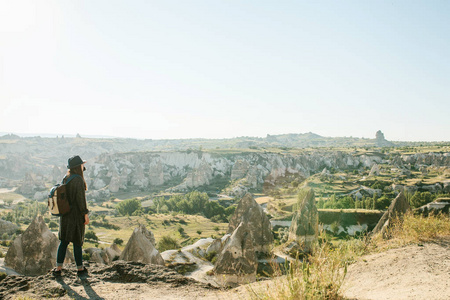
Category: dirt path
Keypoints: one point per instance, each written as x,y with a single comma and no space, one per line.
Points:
412,272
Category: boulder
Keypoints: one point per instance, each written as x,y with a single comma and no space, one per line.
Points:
141,248
237,263
106,256
398,207
250,212
34,251
113,252
304,228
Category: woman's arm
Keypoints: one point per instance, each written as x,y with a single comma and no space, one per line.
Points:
80,196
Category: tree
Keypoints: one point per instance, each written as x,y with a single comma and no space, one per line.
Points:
52,225
118,241
90,235
128,207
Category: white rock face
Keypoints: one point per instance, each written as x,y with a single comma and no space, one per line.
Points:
188,170
141,248
239,169
99,184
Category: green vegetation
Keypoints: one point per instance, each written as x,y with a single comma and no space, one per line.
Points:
118,241
167,243
90,235
129,207
193,203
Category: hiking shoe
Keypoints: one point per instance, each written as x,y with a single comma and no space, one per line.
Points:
56,272
84,271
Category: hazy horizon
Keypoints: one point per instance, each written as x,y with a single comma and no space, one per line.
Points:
201,69
73,135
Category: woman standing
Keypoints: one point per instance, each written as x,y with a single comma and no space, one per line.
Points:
71,225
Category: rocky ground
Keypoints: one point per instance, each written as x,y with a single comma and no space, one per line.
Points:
412,272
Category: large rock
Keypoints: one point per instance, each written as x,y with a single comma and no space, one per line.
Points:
141,248
250,212
305,222
397,208
34,251
381,141
237,263
375,170
106,256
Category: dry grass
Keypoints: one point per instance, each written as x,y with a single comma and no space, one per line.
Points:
318,277
413,229
321,276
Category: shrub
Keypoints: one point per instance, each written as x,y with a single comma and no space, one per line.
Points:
86,256
90,235
211,255
181,230
118,241
167,243
52,225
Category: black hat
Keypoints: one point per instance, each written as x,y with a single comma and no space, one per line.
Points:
75,161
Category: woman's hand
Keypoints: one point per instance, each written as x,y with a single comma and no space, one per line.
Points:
86,219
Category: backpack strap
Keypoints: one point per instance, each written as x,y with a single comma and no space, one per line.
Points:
69,179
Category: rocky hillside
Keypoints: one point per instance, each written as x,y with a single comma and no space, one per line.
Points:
229,171
19,155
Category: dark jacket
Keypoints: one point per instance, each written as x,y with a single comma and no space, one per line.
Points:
71,225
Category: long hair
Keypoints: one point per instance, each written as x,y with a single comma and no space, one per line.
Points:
78,171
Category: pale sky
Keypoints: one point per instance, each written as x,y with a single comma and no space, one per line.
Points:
220,69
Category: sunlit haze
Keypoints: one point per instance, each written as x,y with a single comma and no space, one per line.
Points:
221,69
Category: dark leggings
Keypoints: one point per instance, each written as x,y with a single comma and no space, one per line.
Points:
61,255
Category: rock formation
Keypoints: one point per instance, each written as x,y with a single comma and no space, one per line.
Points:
251,213
375,170
440,205
398,207
237,262
141,248
106,256
218,244
305,223
31,184
239,169
380,141
34,251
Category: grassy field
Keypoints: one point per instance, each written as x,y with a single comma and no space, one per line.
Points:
194,227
